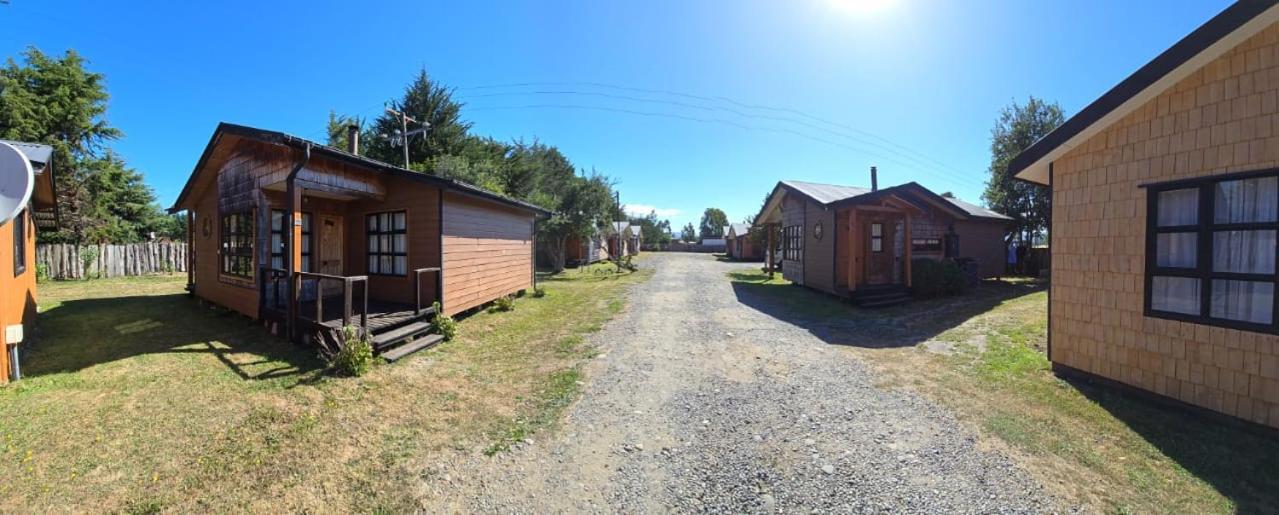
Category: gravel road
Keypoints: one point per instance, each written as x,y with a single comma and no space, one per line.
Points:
700,403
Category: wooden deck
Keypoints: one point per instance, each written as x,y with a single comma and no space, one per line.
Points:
382,314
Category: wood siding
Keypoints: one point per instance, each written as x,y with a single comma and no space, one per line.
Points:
488,251
983,240
819,253
233,294
422,206
18,303
1223,118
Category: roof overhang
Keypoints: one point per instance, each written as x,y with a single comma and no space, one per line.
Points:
1211,40
279,138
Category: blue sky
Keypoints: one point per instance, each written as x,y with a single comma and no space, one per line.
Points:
725,98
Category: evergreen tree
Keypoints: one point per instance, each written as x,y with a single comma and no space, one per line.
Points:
427,102
1017,128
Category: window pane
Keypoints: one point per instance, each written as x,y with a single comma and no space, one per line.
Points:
306,222
384,221
1178,207
277,262
1247,200
386,265
384,242
277,244
1245,252
398,243
306,243
401,265
876,229
1176,249
399,221
1243,300
372,265
1175,294
372,243
277,220
877,245
372,226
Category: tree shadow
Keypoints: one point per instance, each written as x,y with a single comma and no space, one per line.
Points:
82,333
1239,460
836,321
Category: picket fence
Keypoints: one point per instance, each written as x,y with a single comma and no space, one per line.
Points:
64,261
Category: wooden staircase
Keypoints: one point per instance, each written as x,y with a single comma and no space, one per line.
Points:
396,340
880,296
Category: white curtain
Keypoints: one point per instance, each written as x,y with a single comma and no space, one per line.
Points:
1178,207
1175,295
1244,252
1243,300
1247,200
1177,249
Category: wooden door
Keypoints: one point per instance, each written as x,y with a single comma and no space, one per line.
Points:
879,248
331,251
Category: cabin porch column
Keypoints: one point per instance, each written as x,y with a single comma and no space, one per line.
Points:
854,250
294,262
770,250
190,251
906,251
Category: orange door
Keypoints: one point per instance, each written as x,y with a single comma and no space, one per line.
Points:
331,246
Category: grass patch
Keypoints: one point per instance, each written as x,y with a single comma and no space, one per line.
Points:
137,399
1103,449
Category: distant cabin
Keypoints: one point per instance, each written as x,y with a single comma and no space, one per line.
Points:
310,238
846,239
744,243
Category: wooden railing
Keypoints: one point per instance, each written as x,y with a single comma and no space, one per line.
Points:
278,279
417,288
348,286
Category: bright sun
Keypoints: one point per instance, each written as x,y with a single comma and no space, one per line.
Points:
862,6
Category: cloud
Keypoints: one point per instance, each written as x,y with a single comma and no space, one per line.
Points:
645,209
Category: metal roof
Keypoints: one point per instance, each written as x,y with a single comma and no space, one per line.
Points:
826,193
976,210
35,152
738,229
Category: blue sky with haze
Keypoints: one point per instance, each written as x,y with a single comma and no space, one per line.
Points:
687,104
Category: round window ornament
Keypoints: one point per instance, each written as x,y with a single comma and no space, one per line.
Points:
817,230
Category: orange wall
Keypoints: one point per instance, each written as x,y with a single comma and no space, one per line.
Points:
488,251
18,302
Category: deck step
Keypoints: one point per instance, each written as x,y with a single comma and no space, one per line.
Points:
412,346
881,296
883,302
388,337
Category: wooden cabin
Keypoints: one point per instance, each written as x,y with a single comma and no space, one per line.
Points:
18,249
309,238
586,250
859,243
623,240
1164,194
742,245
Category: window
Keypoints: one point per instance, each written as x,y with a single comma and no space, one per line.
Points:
925,245
793,243
237,245
20,243
280,219
388,243
876,237
1210,251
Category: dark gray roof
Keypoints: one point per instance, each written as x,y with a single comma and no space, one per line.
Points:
35,152
826,193
976,210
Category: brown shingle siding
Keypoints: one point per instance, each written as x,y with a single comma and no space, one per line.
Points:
1220,119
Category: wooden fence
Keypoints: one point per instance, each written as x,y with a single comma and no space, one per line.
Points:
65,261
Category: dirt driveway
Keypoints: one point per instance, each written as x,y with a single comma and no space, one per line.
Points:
701,403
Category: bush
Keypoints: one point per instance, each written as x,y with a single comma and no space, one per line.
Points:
504,303
927,280
930,278
443,325
954,281
42,272
89,255
355,358
538,292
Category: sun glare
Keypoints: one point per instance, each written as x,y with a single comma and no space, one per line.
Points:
862,6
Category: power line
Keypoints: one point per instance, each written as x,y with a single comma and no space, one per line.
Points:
714,121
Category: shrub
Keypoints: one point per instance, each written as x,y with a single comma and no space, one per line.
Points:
88,256
504,303
42,272
355,358
927,279
538,292
443,325
954,281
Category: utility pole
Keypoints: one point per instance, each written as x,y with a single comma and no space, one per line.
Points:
405,134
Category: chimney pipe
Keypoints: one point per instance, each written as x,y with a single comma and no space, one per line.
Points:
353,139
874,179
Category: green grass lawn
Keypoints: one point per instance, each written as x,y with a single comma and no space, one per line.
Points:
136,398
1103,449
